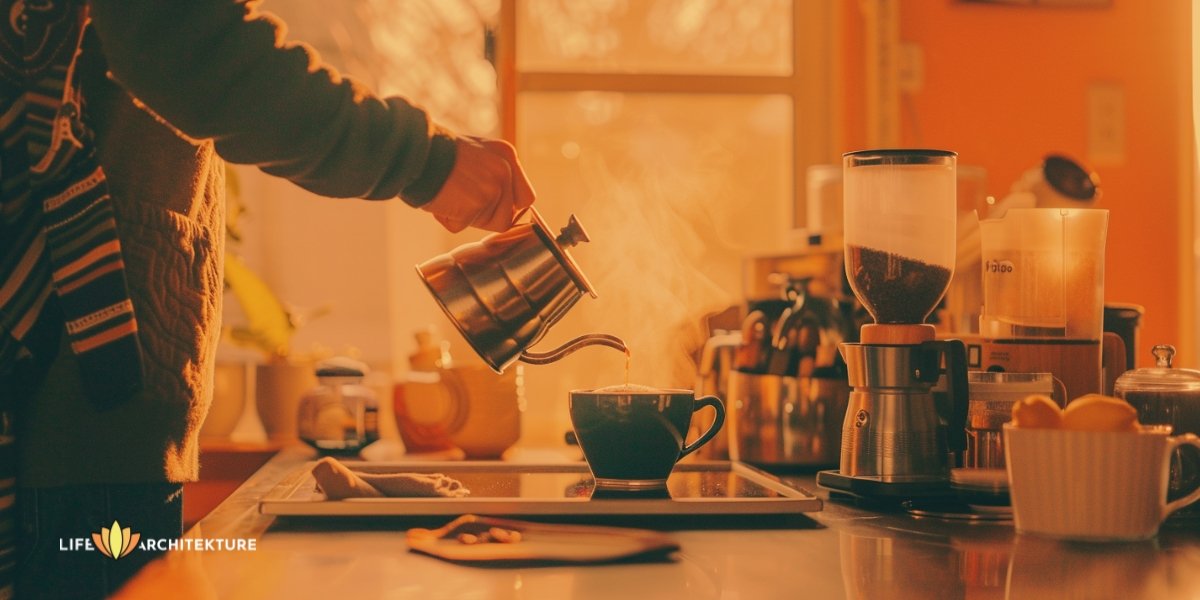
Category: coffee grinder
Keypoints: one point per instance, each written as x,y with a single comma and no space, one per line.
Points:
899,256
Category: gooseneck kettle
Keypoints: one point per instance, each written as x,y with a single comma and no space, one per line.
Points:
504,292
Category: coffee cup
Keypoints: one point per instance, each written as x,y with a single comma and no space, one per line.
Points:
632,436
1092,485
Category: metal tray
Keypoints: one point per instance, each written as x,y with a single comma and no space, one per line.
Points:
507,489
876,487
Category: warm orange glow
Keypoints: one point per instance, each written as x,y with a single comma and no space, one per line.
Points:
1005,85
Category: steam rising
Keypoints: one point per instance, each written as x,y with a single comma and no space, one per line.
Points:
674,193
659,259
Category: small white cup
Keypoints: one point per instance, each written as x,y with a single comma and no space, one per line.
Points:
1092,485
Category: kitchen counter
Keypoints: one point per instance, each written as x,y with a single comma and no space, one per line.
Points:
851,552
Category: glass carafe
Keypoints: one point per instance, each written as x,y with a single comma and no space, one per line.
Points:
1043,273
900,228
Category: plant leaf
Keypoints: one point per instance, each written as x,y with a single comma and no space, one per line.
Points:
269,325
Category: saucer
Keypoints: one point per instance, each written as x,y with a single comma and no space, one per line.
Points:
994,481
956,510
981,487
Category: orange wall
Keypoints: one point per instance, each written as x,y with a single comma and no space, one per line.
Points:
1005,85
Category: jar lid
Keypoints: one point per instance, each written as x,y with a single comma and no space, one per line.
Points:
1159,378
341,366
1018,384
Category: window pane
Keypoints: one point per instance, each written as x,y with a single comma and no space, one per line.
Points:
717,37
711,174
674,191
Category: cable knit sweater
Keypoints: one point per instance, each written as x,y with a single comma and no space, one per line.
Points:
173,87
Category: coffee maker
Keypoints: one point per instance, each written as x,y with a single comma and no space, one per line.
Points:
899,241
1043,299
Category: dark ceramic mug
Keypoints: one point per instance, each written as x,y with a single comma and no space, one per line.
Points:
632,439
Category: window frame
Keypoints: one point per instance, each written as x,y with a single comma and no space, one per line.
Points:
813,86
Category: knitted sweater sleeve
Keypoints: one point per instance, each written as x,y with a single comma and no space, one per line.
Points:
221,70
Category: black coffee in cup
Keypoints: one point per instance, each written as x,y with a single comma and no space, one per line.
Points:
633,435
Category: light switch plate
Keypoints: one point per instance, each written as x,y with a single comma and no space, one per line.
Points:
1106,124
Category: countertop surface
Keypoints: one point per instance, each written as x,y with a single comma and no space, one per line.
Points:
851,551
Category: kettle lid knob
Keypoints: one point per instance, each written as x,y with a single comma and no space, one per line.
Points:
572,234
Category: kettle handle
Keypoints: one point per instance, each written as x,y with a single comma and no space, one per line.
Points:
956,384
591,339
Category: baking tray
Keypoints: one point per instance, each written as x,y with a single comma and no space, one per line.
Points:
506,489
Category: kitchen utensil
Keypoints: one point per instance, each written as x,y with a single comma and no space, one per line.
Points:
1124,319
900,254
699,492
1043,298
1044,274
1168,396
1092,485
230,391
341,415
632,436
466,407
713,373
493,420
991,398
505,292
791,415
785,422
900,236
1058,182
892,429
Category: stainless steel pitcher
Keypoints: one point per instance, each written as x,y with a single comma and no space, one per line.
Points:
504,292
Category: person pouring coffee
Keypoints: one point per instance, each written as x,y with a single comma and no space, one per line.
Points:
115,118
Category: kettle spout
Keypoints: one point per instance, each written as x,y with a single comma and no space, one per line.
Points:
593,339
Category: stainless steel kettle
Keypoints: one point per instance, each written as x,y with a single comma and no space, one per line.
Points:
504,292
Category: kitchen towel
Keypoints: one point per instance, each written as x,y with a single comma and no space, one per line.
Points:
338,482
490,542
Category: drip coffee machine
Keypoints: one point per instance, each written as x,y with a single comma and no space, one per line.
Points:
1043,298
899,256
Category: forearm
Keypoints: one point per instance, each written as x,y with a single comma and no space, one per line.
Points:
217,69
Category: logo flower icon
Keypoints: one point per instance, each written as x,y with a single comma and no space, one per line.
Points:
115,542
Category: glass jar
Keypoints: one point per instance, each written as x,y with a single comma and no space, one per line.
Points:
900,230
992,398
1164,395
341,415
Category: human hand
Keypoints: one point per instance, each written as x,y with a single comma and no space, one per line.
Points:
486,189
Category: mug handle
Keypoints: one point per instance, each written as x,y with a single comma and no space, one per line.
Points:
1060,389
715,402
1172,444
